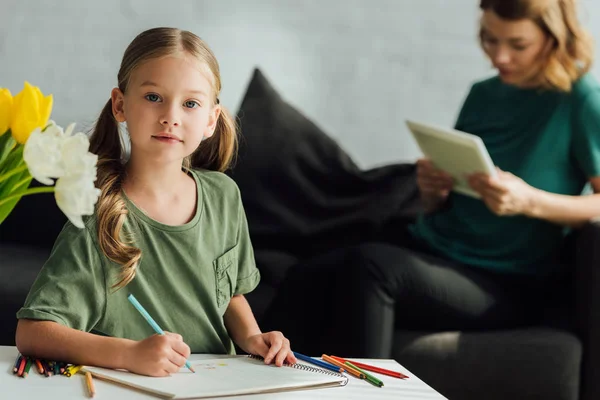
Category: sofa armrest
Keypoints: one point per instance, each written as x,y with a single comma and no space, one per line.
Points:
587,307
19,266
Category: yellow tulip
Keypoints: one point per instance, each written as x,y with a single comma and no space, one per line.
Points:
6,102
30,110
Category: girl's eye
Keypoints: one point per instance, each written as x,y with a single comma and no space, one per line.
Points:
152,97
191,104
489,41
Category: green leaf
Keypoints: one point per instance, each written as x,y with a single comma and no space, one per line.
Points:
13,160
14,171
22,184
17,182
7,185
7,144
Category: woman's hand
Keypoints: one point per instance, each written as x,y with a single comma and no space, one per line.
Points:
505,194
158,355
434,184
271,346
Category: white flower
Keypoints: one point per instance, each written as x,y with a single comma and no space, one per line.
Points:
54,153
76,158
76,196
43,153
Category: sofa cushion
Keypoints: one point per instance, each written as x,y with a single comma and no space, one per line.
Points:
302,192
535,363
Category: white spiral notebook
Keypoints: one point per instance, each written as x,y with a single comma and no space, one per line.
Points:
229,376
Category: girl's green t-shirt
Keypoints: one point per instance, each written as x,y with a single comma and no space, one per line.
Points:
185,279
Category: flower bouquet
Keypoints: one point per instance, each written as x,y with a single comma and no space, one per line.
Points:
34,147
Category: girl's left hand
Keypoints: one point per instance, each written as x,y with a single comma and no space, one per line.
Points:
271,346
505,194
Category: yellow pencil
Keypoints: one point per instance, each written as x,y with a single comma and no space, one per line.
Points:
72,370
90,383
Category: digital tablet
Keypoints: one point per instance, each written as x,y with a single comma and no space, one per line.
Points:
455,152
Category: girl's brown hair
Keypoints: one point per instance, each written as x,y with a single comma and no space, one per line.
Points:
215,153
572,51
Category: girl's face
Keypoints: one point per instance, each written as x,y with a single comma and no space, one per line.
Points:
515,47
168,108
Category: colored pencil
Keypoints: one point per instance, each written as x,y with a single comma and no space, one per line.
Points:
27,367
372,368
17,363
320,363
22,366
370,378
90,383
39,366
348,369
62,367
47,368
72,370
151,321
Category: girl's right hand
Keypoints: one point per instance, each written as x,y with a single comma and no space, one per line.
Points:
434,184
158,355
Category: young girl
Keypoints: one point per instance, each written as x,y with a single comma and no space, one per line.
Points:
173,236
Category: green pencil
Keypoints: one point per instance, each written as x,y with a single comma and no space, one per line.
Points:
27,368
369,378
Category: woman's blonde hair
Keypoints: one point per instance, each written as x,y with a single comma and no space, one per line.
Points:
215,153
572,49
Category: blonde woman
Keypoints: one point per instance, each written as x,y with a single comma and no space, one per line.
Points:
471,264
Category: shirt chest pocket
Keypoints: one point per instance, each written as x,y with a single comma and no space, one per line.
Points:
226,267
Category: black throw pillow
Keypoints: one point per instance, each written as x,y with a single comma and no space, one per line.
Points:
302,192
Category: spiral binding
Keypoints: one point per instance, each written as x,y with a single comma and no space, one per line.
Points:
309,368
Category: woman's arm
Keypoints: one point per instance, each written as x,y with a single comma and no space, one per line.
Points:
507,194
434,186
572,211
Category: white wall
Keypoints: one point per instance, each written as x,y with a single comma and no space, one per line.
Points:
358,68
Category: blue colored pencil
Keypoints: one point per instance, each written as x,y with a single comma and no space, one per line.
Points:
320,363
151,321
17,363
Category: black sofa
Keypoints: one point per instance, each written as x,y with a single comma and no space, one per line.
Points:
304,196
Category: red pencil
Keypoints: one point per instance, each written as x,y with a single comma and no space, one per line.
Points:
22,366
372,368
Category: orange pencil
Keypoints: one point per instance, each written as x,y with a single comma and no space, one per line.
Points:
39,366
348,369
90,383
372,368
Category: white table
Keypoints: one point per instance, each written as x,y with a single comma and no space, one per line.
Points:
35,386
